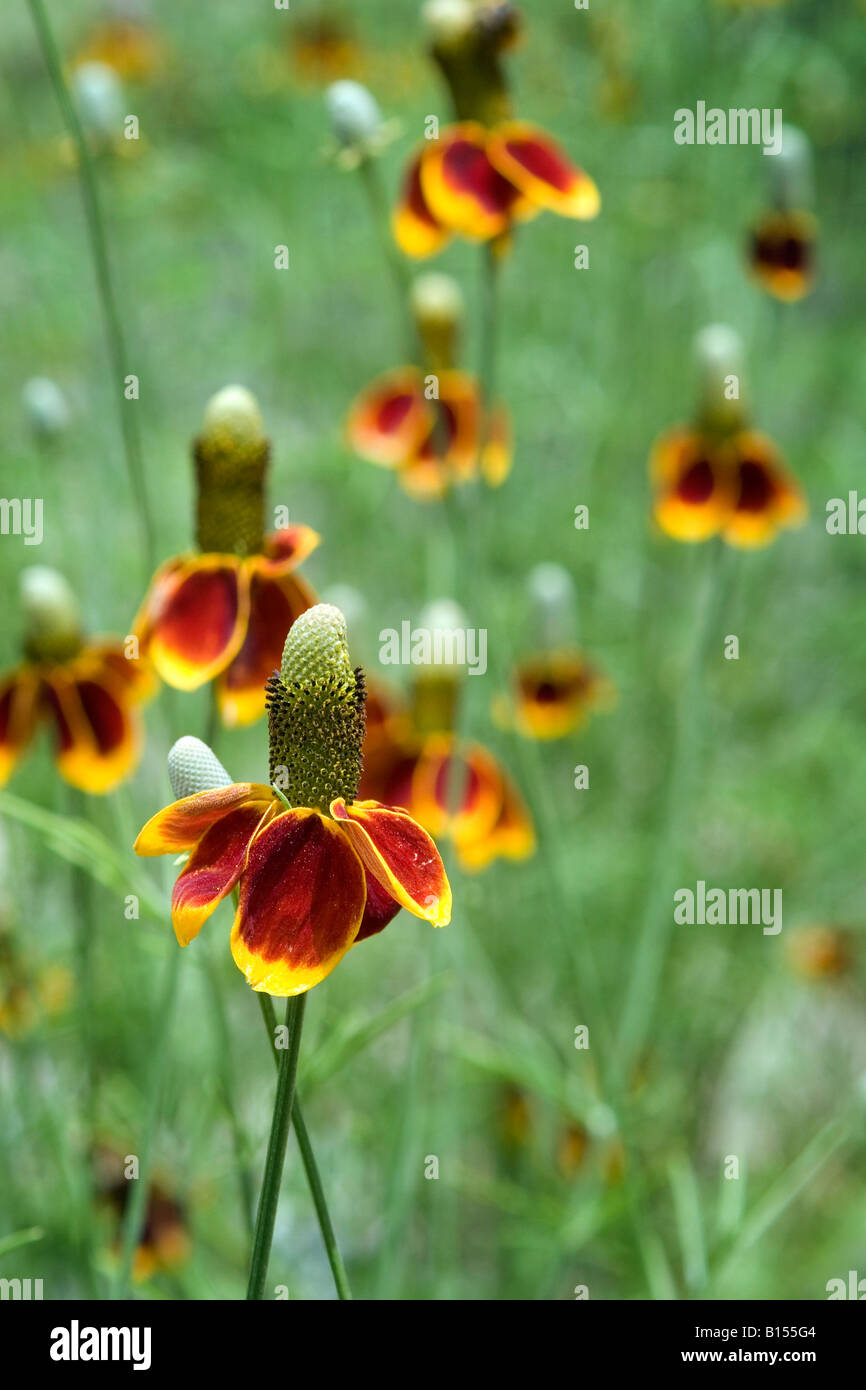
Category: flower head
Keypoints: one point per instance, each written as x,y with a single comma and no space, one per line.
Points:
222,614
84,689
480,176
316,870
427,421
719,476
782,244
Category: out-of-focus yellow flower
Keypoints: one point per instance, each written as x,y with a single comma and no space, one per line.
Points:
84,689
782,245
553,693
719,476
414,763
428,422
124,42
480,176
571,1149
165,1242
28,993
820,952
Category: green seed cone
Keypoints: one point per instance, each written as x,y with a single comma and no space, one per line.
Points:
316,714
231,459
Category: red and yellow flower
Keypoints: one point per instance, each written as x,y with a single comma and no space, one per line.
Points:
737,487
719,476
486,172
316,870
477,183
782,246
85,690
782,253
222,615
554,693
429,423
455,789
433,444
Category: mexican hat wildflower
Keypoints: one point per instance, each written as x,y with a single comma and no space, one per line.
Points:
720,476
222,614
164,1242
481,175
84,690
316,870
554,687
125,42
455,788
427,422
781,250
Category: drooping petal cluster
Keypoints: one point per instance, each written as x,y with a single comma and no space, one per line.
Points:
455,789
553,693
224,618
735,486
316,870
477,182
433,443
85,691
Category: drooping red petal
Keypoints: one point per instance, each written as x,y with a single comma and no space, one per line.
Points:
462,188
401,855
415,229
214,867
97,739
197,620
287,548
536,164
179,826
301,903
274,606
18,715
388,420
381,908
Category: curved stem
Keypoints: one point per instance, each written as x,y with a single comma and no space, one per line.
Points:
308,1158
102,268
270,1194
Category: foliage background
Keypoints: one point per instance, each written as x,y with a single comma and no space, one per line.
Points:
742,1056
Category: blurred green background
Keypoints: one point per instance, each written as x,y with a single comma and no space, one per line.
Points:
415,1045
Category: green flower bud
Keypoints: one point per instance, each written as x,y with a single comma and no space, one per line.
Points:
355,116
436,302
553,604
718,355
316,714
194,767
52,619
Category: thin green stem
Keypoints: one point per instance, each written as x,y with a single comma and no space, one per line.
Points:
228,1088
654,933
489,334
133,1217
368,170
127,415
311,1169
270,1194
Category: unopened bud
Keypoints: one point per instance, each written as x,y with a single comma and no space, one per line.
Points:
194,767
52,619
